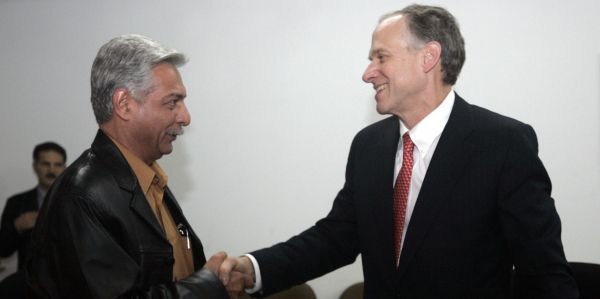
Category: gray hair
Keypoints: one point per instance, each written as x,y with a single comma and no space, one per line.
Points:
126,62
433,23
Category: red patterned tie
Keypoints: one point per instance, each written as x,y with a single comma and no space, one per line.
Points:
401,192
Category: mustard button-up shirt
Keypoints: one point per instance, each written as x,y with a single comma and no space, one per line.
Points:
153,182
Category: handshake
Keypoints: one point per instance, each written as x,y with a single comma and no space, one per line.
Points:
236,273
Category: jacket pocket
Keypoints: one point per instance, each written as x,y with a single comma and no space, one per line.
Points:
156,266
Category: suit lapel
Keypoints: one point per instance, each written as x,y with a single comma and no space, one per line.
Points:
123,174
449,158
382,159
139,204
31,203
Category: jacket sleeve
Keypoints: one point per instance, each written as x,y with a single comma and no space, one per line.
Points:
331,243
531,224
77,256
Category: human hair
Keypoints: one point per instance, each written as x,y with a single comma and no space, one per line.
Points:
126,62
433,23
49,146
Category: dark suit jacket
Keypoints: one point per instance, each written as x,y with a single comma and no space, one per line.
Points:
97,237
10,239
484,206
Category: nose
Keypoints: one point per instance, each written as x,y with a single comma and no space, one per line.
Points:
183,117
370,73
58,168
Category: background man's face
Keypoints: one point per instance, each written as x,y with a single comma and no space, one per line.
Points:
48,166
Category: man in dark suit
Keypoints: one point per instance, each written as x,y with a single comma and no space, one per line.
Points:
442,199
20,214
110,226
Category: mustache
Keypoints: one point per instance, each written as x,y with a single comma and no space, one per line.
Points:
51,175
175,131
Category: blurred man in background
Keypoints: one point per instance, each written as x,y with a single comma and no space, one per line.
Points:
20,214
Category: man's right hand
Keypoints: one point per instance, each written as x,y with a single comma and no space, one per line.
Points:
233,267
235,280
25,221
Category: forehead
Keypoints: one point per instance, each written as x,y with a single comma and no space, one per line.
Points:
50,155
392,20
391,31
165,76
390,35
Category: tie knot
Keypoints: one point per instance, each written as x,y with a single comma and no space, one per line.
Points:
407,142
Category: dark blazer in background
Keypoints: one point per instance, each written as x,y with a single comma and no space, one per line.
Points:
484,206
10,239
97,237
13,286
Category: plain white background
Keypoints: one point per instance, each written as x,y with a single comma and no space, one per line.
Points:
276,97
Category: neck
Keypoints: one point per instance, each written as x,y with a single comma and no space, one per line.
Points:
43,188
125,139
427,102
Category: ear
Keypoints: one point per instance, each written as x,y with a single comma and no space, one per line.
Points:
432,52
122,101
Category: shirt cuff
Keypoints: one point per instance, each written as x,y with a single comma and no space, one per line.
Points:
258,280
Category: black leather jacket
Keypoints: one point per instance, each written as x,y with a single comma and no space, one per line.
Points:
97,237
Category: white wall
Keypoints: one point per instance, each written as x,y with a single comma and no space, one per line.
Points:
276,97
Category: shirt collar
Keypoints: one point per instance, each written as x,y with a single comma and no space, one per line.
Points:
430,127
146,174
40,195
40,192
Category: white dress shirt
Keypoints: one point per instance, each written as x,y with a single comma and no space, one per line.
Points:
425,135
40,196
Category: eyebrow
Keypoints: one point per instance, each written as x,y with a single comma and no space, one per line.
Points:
376,52
177,95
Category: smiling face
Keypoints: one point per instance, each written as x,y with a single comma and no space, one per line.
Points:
160,116
395,69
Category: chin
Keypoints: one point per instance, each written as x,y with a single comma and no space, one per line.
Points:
167,150
382,110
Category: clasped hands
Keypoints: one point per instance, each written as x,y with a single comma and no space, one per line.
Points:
236,273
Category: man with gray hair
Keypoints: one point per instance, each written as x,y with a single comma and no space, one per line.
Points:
110,226
443,199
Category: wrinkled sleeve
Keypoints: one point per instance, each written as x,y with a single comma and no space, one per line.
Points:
77,256
331,243
531,223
